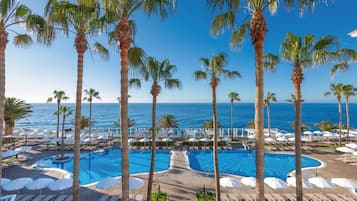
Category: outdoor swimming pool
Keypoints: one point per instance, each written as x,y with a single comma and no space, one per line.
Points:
99,165
242,162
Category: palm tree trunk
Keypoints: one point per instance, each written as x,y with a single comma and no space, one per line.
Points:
123,32
90,118
258,28
62,138
81,46
9,127
297,78
232,119
215,148
58,120
347,119
154,93
268,113
3,42
339,120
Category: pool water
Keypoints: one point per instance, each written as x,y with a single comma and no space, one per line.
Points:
242,162
95,166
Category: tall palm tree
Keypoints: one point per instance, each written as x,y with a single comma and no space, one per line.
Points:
348,91
337,90
168,121
15,109
271,97
14,14
90,95
214,68
156,72
233,96
257,28
82,19
65,111
120,14
304,52
58,96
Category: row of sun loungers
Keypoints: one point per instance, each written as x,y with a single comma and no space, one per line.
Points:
290,197
116,198
43,198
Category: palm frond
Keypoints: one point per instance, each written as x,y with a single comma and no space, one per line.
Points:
231,74
173,83
222,22
239,34
200,75
22,40
271,62
343,66
135,82
101,50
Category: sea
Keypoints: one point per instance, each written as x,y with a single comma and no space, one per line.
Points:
189,115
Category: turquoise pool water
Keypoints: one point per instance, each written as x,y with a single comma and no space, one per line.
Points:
242,162
99,165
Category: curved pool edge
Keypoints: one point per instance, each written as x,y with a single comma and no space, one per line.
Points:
67,174
322,165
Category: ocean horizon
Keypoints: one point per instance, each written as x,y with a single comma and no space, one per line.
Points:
190,115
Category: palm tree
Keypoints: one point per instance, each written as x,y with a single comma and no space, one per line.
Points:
346,56
336,90
15,109
120,13
81,19
65,111
156,72
271,97
14,14
251,124
304,52
84,122
214,67
348,90
90,94
257,29
233,96
131,123
168,121
326,125
209,124
59,96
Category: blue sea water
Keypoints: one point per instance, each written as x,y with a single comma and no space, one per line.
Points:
191,115
242,163
96,166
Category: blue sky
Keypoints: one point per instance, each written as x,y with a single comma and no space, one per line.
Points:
34,72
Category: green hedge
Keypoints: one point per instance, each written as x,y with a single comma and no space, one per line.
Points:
185,143
207,196
158,196
170,144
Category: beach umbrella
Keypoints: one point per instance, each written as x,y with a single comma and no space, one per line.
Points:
281,139
226,139
4,181
269,139
291,181
157,139
17,184
275,183
39,184
317,132
353,33
306,139
135,183
23,149
204,139
352,145
249,181
343,182
107,183
321,182
60,184
144,140
167,139
9,153
193,140
291,139
230,182
89,140
344,149
131,140
308,133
